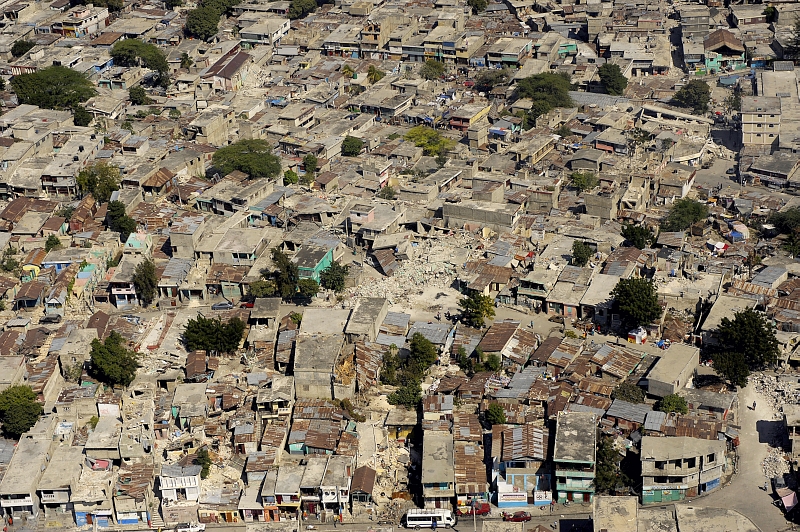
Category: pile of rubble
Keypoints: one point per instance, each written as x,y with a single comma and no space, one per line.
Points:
777,391
774,464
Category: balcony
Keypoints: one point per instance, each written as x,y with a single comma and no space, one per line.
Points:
57,497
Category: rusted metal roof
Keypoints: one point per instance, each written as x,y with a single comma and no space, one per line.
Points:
525,442
467,427
470,471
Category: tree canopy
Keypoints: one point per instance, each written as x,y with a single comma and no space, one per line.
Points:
672,403
352,146
584,181
301,8
310,163
21,47
408,374
637,301
261,288
749,333
683,214
119,221
547,90
202,23
334,276
54,87
374,74
432,69
81,117
99,179
476,308
732,366
489,79
787,221
495,415
52,243
387,193
133,52
477,5
138,96
112,362
254,157
581,253
145,281
791,50
203,459
431,141
19,410
625,391
695,94
608,475
212,334
612,79
637,236
285,274
307,288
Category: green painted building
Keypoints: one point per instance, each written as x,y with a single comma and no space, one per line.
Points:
311,259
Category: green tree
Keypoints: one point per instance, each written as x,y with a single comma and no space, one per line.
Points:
301,8
374,75
290,177
546,87
285,274
625,391
584,181
581,253
307,288
464,361
476,308
732,366
174,113
81,117
477,5
54,87
489,79
112,363
203,459
138,96
422,355
21,48
695,94
202,23
672,403
608,475
637,302
432,69
53,242
66,212
612,79
254,157
787,221
333,277
352,146
211,334
133,52
409,395
750,333
186,61
391,367
261,288
771,13
492,363
495,415
145,281
386,193
637,236
120,222
172,4
431,141
310,163
100,180
683,214
19,410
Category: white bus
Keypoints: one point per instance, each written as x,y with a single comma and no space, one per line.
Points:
417,519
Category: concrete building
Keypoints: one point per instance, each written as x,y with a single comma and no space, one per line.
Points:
366,318
574,456
19,489
761,121
679,467
673,370
438,470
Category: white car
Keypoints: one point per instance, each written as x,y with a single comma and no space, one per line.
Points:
190,527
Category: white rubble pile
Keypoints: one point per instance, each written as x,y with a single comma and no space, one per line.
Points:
777,392
774,464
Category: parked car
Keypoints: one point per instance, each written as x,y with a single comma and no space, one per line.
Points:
51,318
225,305
247,304
731,170
481,509
469,83
190,527
517,517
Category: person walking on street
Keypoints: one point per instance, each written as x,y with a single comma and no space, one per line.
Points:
754,405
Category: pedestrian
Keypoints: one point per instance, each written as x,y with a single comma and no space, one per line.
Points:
765,485
552,505
433,524
754,405
335,521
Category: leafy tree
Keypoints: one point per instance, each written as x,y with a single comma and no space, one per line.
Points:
19,410
672,403
464,361
254,157
607,474
54,87
145,281
612,79
334,276
138,96
386,193
174,113
584,181
310,163
211,334
100,180
492,363
290,177
547,87
391,368
489,79
186,61
307,288
431,141
409,395
695,94
637,301
120,222
733,102
133,52
285,275
374,75
564,131
495,415
203,459
581,253
476,308
21,48
625,391
637,235
770,12
477,5
81,117
787,221
261,288
296,318
750,333
112,363
352,146
432,69
202,23
172,4
66,212
792,48
301,8
52,243
732,366
422,355
683,214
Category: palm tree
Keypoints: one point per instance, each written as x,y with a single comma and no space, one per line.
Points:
348,71
374,75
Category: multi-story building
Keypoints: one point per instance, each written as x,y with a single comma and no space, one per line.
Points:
574,456
438,469
761,120
679,467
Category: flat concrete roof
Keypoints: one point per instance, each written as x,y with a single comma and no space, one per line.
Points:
576,437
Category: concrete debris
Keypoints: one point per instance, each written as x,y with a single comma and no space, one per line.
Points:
775,464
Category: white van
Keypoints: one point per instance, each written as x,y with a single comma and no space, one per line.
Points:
417,519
